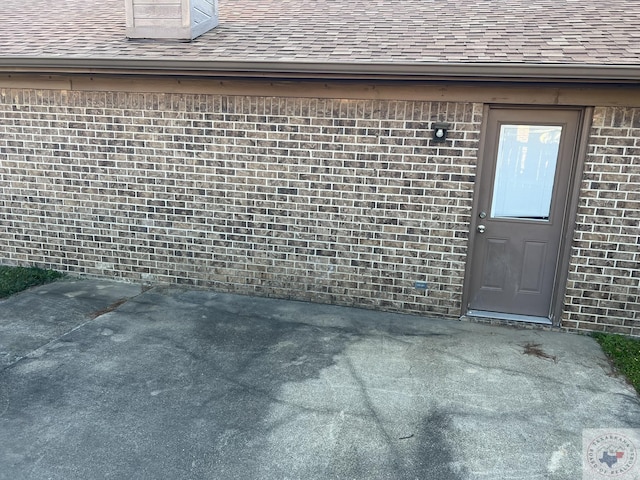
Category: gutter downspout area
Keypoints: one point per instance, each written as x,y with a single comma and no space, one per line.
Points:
544,73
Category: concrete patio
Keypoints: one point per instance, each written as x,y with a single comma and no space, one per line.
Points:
101,379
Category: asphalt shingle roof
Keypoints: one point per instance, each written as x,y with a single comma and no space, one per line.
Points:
581,32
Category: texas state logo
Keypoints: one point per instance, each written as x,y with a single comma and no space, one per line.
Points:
610,454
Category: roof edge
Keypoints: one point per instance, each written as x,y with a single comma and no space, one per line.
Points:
545,72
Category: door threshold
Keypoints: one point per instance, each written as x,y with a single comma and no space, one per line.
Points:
510,317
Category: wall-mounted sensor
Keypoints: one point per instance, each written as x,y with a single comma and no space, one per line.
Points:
440,130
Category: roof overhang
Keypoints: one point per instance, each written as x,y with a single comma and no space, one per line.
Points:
511,72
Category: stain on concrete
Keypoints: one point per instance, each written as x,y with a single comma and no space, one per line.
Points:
180,384
441,455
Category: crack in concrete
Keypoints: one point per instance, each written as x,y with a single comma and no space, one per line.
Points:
42,349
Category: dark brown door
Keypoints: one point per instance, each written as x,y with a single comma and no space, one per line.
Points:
520,210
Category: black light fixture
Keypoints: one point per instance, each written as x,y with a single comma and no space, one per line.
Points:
440,131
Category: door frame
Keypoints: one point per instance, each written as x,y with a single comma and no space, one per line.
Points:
570,212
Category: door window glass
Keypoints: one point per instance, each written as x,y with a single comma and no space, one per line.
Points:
525,171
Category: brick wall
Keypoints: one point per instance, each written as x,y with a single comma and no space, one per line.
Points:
604,276
338,201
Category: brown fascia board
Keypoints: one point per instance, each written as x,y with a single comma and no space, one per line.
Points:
513,72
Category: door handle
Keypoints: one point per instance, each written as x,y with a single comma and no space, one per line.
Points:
481,228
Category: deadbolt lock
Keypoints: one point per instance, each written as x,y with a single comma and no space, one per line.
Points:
483,214
481,228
